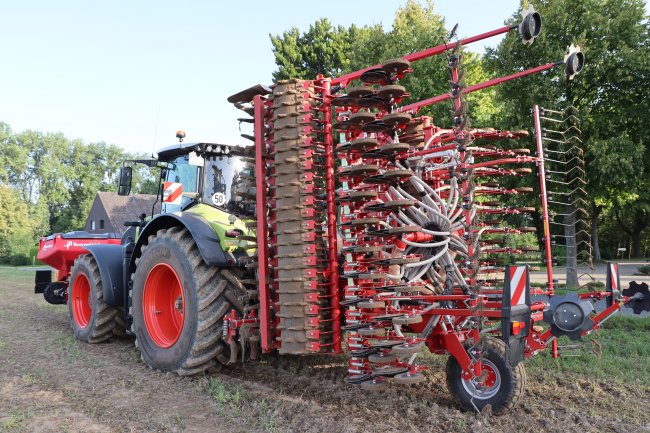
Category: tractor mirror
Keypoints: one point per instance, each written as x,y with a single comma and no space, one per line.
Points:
126,175
530,26
574,61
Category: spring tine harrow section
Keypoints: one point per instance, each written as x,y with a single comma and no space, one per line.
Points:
565,206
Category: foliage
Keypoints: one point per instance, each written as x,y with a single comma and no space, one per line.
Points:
609,93
333,51
645,269
16,225
20,259
48,183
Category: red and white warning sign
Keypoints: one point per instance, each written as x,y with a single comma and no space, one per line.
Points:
613,274
517,285
172,192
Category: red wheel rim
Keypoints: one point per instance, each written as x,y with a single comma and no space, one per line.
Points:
81,303
163,305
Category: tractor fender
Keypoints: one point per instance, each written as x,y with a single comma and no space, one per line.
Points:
204,235
111,271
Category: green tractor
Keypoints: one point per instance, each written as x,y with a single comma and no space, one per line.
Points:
175,275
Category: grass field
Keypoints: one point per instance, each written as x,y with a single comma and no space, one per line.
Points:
53,383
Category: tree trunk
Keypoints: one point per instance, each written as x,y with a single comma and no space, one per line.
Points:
636,244
595,213
571,249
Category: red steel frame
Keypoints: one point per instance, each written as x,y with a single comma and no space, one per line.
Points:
333,266
433,51
414,107
447,336
262,225
542,184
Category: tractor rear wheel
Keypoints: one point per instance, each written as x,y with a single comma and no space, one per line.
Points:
179,303
92,319
501,385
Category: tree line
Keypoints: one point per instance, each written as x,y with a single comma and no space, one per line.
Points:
48,183
610,94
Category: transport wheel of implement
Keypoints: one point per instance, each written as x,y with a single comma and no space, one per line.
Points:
501,386
92,319
178,305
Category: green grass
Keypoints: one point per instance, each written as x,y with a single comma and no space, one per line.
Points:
15,421
224,393
619,351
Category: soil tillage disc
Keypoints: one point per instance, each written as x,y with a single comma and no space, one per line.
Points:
382,358
408,348
371,101
396,66
392,91
361,118
345,101
390,176
359,170
376,127
359,196
356,379
409,378
391,205
382,344
376,76
371,304
396,119
407,320
360,91
393,231
389,371
374,385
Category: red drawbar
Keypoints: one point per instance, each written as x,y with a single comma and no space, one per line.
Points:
81,304
163,305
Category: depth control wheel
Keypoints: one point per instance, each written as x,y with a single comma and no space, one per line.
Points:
500,385
92,319
178,305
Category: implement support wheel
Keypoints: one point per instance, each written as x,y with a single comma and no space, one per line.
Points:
500,385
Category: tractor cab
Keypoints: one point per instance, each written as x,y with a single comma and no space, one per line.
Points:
191,173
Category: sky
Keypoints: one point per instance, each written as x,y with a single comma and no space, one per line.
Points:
132,73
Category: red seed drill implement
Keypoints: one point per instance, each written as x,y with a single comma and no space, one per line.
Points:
355,225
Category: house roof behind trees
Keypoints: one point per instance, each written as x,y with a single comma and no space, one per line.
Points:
118,209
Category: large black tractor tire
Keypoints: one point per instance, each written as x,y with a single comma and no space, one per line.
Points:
92,319
179,303
504,386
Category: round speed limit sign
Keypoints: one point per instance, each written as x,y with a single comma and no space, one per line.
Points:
219,199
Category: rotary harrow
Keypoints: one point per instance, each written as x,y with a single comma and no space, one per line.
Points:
398,236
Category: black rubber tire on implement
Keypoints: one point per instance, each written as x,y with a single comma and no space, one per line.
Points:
209,294
513,380
101,323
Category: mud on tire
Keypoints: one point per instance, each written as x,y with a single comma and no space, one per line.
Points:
92,319
504,395
208,294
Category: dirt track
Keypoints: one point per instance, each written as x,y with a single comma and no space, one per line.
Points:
51,382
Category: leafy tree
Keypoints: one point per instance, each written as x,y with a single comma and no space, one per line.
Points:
321,50
333,51
16,226
614,37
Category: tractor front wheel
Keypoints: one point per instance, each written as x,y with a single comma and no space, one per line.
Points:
500,385
179,303
92,319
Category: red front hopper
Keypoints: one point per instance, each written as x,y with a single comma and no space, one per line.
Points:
60,250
